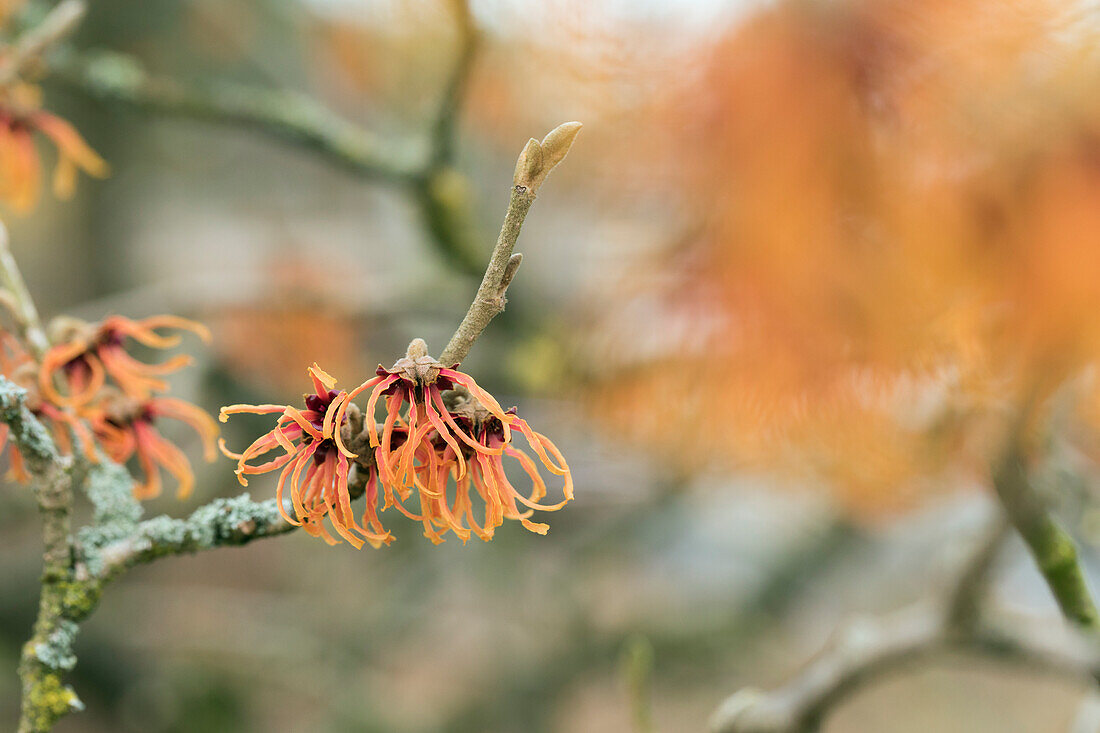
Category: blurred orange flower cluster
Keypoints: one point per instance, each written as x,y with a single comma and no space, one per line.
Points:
418,449
897,243
21,115
89,385
20,167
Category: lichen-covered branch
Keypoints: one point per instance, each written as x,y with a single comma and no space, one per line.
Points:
117,541
48,653
53,487
534,164
221,523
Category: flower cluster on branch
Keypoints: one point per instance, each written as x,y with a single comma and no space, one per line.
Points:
438,424
90,387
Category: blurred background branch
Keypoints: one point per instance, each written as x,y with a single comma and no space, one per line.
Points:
114,78
869,649
424,169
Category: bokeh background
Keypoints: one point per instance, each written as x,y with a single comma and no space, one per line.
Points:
704,279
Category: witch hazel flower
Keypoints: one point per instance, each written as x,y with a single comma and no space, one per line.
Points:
488,478
20,166
86,354
125,427
424,443
420,380
19,367
429,444
316,462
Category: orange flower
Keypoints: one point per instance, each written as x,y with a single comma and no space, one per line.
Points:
20,167
126,426
85,355
419,450
436,460
420,380
18,366
315,461
423,447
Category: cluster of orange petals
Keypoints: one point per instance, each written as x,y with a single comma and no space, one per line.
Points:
897,243
18,366
88,384
422,445
20,166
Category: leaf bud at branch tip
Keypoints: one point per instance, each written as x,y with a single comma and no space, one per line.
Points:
556,144
538,159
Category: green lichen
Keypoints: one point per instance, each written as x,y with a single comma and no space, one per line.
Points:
79,598
47,700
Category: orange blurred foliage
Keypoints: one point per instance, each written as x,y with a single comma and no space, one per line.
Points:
897,243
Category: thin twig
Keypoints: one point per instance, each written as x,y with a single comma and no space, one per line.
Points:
490,298
1051,547
534,164
26,314
971,584
57,25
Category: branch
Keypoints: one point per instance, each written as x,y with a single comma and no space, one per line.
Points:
871,647
450,105
441,192
1050,546
58,24
52,487
867,651
534,164
116,541
926,631
23,308
221,523
49,651
120,79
